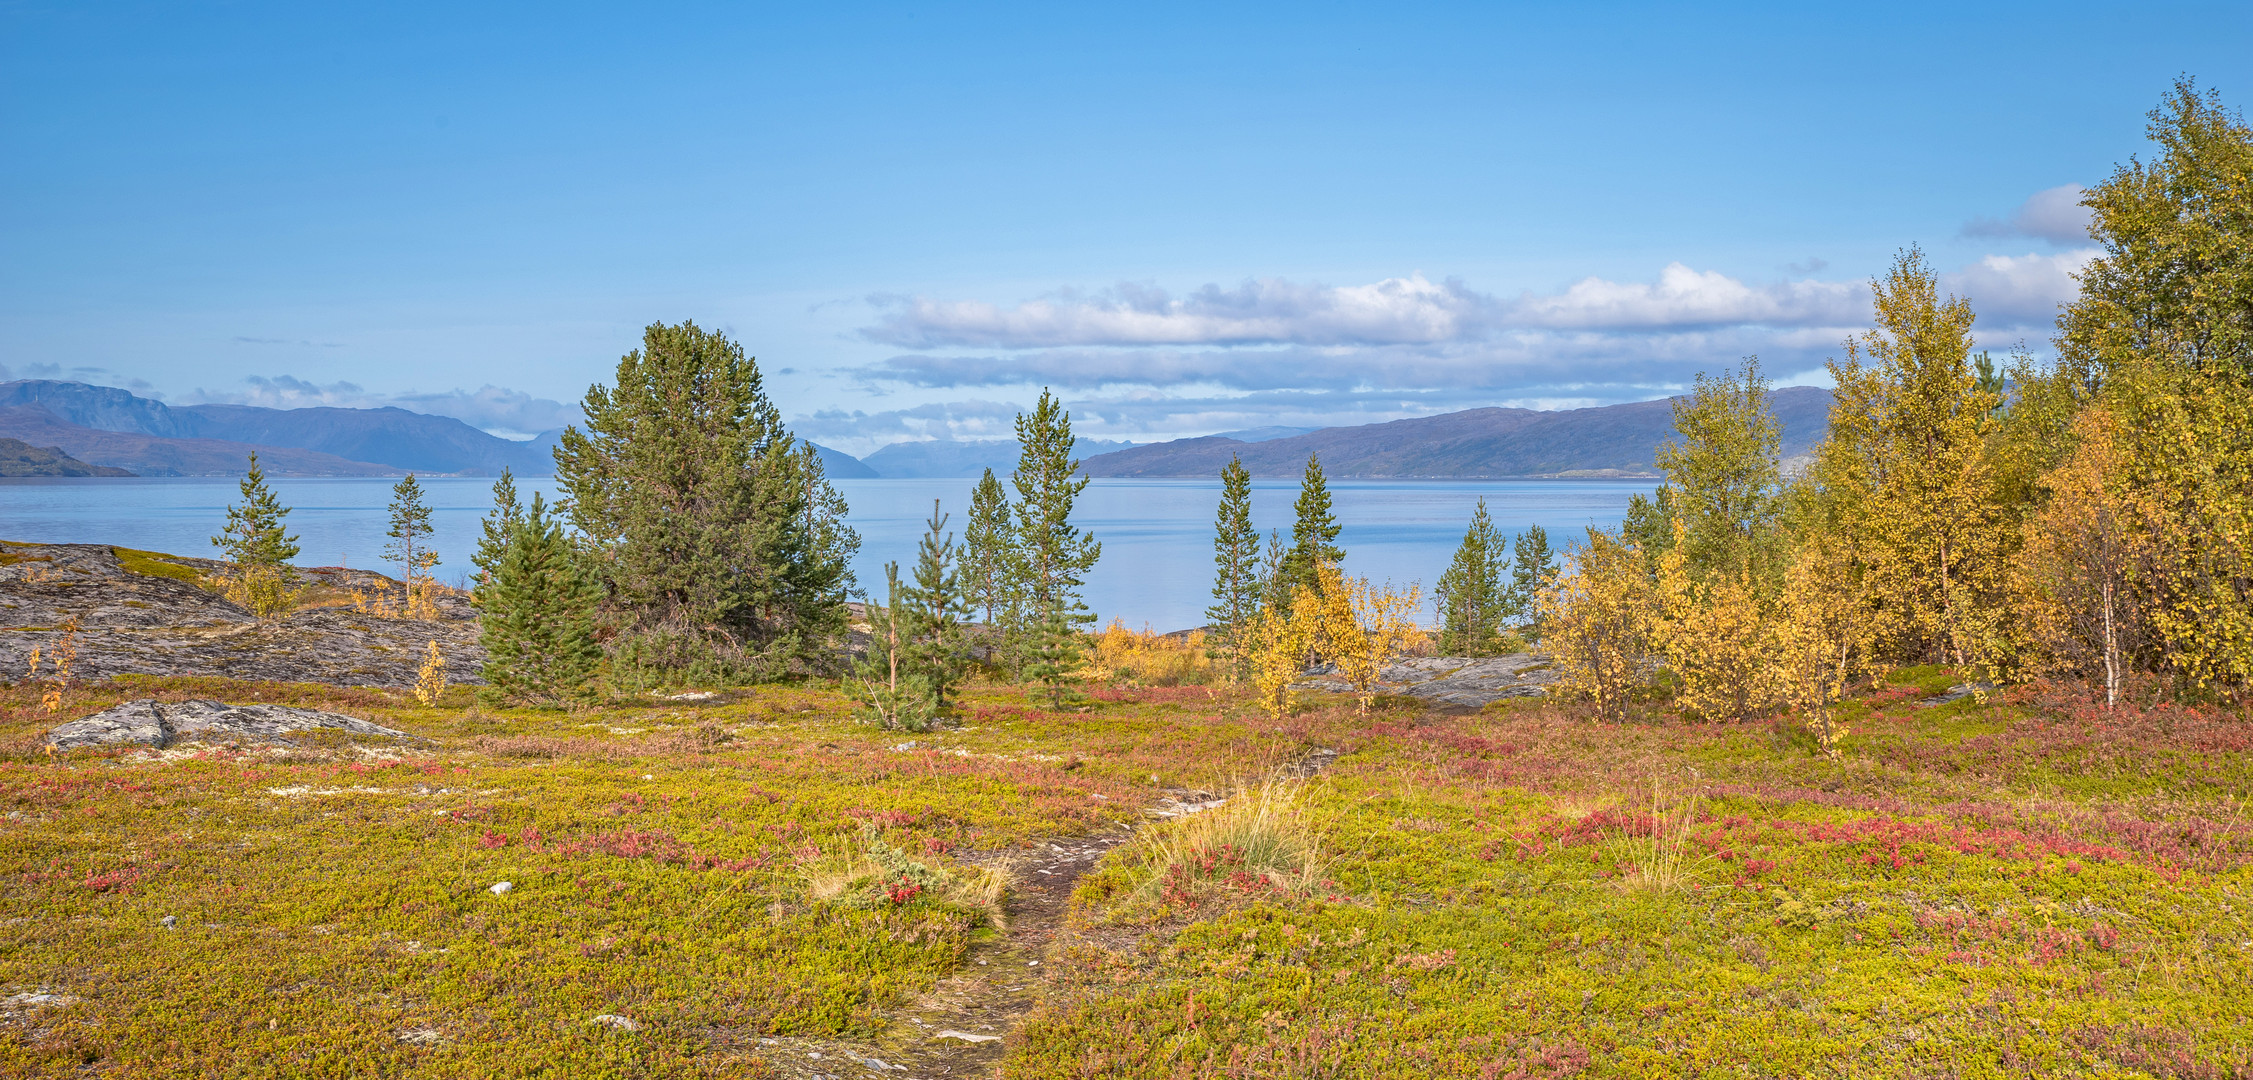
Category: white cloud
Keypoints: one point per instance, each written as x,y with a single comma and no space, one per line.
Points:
2020,290
2052,214
1682,297
1409,310
1268,311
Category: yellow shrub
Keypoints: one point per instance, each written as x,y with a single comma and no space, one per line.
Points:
267,592
1820,636
1279,640
1149,658
1597,620
1716,637
430,682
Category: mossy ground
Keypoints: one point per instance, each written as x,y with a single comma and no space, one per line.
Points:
2019,886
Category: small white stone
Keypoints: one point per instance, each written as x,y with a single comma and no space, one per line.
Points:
646,776
965,1036
616,1021
1032,963
500,887
170,921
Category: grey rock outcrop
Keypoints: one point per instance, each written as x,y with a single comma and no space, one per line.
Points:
159,724
1468,682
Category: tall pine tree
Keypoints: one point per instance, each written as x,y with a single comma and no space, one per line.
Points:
717,536
1313,530
987,541
410,539
1533,569
1473,599
536,617
1236,574
1052,555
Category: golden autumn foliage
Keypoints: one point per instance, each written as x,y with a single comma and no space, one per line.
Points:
2083,574
1278,642
1598,619
430,681
1905,473
1148,658
1716,636
1818,639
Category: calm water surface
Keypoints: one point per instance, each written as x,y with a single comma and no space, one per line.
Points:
1157,534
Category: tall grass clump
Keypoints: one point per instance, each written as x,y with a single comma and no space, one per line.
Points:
1656,848
1260,843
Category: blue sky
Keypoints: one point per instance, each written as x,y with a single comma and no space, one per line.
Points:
1185,218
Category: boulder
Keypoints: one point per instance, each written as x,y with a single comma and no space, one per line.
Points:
149,722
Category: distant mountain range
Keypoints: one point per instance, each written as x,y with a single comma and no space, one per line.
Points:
969,458
106,427
1613,440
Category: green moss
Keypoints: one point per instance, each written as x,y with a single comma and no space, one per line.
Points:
155,564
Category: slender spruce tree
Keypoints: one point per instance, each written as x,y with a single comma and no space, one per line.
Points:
1236,577
536,619
933,609
986,544
1314,529
1473,597
1533,569
1052,556
256,535
507,512
410,535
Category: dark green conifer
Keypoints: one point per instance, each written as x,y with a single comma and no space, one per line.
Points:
1313,530
1052,556
933,609
255,534
536,621
717,536
1533,569
986,542
1473,599
498,523
410,533
1236,577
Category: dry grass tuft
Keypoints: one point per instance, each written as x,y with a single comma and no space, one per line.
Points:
878,875
1261,842
1656,849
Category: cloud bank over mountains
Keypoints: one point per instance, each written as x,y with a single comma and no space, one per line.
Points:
1136,360
510,414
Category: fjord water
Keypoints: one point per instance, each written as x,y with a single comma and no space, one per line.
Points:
1157,535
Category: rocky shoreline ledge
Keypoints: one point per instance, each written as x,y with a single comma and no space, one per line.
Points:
143,613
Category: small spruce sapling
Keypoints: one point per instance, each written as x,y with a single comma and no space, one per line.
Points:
933,609
257,543
892,693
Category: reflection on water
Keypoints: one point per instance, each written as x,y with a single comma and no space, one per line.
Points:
1157,534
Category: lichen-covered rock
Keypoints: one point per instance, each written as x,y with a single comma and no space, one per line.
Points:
142,613
160,724
1468,682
